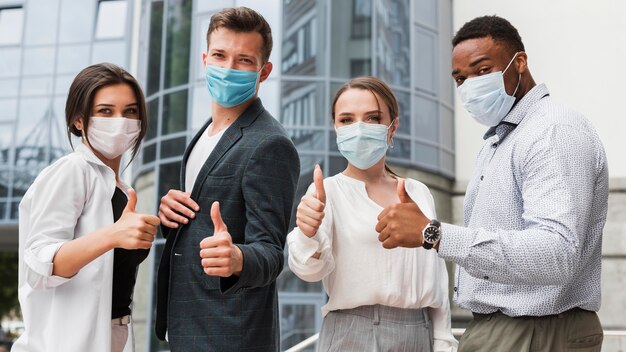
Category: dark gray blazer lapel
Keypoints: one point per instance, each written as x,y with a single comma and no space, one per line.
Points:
228,140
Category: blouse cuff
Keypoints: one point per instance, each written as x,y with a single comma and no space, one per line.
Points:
305,246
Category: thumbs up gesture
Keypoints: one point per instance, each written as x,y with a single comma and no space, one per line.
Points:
220,257
310,211
401,224
133,230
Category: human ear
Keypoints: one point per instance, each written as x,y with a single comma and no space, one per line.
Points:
265,71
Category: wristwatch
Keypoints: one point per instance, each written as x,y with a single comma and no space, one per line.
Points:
431,234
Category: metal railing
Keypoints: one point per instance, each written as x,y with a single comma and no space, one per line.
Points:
457,332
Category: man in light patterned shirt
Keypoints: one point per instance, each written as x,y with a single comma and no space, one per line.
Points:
529,254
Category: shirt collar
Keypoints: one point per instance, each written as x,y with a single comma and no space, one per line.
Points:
519,111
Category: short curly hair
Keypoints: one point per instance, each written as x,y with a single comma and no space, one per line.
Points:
501,30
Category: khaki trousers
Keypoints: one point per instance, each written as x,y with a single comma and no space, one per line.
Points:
574,330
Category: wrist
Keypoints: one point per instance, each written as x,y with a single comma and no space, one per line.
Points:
431,234
238,267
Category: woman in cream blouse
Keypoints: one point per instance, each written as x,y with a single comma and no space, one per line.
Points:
379,299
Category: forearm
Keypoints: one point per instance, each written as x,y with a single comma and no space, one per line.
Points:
537,256
73,255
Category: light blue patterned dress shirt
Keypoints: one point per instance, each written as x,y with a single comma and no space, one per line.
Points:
534,214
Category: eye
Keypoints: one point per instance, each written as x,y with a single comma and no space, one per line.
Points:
373,119
247,61
130,111
217,55
345,120
483,70
104,111
459,80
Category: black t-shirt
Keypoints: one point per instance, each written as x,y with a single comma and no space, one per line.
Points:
125,265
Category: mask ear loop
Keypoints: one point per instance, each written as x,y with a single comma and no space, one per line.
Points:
390,144
519,77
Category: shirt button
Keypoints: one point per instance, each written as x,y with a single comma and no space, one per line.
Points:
486,277
495,145
481,177
456,288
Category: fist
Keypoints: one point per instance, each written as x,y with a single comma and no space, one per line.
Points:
220,257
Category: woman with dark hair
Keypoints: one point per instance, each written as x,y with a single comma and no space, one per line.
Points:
378,299
80,239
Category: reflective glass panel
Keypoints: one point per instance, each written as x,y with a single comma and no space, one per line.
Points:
111,20
11,25
174,118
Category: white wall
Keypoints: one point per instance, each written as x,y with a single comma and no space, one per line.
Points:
578,49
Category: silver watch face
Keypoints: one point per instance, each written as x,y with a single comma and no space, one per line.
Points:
431,234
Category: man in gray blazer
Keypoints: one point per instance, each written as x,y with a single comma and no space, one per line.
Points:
227,225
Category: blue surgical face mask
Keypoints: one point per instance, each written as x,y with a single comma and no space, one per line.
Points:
363,144
229,87
485,98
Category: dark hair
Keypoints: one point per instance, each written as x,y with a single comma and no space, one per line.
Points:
243,20
83,90
501,30
379,89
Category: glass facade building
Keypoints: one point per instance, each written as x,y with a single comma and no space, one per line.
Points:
318,45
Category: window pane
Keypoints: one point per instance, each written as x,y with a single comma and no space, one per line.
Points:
72,59
392,42
201,106
178,41
169,177
426,12
8,88
111,22
39,61
153,119
306,139
40,24
173,147
302,104
174,118
149,153
76,18
351,25
33,86
404,105
154,46
401,149
425,119
426,68
8,114
301,38
110,51
11,25
427,155
10,63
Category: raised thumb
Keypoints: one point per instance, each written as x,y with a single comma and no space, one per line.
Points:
132,201
318,180
216,217
404,197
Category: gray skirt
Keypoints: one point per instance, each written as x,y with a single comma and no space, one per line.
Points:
377,329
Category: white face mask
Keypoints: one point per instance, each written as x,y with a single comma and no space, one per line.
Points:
112,136
363,144
485,97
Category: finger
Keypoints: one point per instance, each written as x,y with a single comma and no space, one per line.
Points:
382,221
173,216
166,222
318,180
184,198
150,220
132,201
222,272
177,205
216,217
390,243
312,203
404,197
383,236
215,262
310,212
310,221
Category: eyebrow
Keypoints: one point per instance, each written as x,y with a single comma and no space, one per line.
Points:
472,64
105,104
367,113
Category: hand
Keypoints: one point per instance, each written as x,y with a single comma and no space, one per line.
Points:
219,256
177,207
400,225
132,230
310,211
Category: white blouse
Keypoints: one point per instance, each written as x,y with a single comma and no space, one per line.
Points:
356,270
